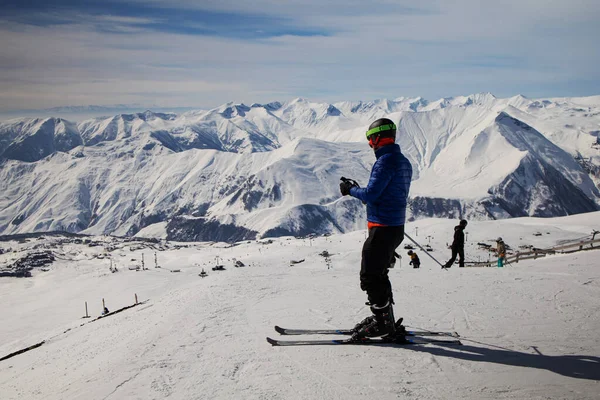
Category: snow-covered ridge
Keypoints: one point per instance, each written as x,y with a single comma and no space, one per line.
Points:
274,169
33,139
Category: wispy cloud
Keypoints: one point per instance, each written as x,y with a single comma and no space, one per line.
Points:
202,54
125,17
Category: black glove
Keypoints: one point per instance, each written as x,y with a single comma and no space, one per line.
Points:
345,187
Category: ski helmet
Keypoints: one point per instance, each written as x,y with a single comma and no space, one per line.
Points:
383,127
499,239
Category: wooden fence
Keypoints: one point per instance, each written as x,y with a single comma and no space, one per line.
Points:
539,253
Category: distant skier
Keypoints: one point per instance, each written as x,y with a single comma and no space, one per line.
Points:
501,250
386,198
105,311
414,259
458,245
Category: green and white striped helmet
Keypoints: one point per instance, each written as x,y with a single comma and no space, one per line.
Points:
383,127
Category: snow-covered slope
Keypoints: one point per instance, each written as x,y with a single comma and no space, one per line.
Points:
31,140
529,330
242,171
214,192
494,161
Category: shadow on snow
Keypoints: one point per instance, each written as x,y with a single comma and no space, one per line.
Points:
574,366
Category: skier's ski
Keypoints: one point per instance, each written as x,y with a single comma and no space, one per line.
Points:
287,331
400,341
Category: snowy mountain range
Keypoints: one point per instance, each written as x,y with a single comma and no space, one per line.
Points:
242,172
81,113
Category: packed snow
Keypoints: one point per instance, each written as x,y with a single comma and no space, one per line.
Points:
529,330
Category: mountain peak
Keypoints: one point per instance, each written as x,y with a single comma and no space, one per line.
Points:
298,100
231,110
504,118
272,106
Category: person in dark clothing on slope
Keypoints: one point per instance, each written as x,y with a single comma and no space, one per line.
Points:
458,245
414,259
386,197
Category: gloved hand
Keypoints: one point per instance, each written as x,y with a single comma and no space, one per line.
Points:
345,187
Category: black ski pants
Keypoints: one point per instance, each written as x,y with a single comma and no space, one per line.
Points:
377,255
460,251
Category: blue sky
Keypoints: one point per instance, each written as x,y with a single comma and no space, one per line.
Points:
205,53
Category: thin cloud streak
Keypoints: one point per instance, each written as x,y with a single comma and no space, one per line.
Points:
110,16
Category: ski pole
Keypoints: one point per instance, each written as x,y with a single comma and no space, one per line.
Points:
426,252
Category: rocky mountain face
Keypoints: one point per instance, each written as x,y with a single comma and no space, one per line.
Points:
241,172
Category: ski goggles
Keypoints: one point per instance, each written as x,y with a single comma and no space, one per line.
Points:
381,128
373,141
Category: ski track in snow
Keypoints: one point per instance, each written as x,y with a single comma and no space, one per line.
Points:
529,330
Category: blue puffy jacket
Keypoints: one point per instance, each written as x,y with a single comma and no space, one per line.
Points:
386,194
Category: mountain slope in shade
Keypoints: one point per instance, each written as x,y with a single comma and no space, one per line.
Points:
239,172
31,140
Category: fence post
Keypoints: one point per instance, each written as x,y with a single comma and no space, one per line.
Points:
86,311
136,301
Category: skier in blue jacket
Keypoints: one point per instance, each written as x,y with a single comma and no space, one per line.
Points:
386,197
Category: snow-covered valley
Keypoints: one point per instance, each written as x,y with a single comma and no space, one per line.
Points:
529,330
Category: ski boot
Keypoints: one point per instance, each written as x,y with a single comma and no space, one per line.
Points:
363,323
380,324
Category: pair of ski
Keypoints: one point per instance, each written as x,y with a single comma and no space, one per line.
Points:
407,337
